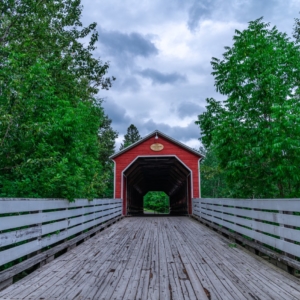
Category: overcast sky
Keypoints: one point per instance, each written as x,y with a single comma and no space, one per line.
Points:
160,53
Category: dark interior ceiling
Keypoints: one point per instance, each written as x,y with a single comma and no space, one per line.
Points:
156,174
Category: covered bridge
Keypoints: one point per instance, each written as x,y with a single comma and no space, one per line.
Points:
157,163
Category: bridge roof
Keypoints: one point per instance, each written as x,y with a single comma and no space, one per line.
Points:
158,133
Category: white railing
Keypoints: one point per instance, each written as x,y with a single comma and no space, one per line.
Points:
30,225
273,222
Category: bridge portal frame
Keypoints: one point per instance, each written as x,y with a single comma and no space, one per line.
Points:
156,144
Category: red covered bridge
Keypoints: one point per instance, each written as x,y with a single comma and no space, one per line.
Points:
157,163
150,257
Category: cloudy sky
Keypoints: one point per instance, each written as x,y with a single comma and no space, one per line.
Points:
160,53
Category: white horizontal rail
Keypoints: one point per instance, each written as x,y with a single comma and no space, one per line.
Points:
11,205
38,227
267,204
280,218
36,218
252,218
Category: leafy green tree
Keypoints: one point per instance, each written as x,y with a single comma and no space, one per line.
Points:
213,181
130,137
49,116
255,132
107,138
157,202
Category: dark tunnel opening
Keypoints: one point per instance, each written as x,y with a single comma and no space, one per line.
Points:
165,174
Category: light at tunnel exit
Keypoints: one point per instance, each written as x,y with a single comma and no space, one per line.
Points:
157,202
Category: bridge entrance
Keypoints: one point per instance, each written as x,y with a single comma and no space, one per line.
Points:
157,163
165,174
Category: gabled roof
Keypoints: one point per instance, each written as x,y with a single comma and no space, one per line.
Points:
158,133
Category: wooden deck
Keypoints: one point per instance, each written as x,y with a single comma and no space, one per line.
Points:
156,258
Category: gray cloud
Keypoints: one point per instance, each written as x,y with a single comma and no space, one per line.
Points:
198,10
179,133
117,114
131,34
252,10
121,121
237,10
162,78
125,45
188,108
130,83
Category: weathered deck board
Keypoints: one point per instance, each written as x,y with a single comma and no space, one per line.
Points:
156,258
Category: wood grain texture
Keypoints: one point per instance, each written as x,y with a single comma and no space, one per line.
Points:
271,204
239,215
45,256
15,205
156,258
74,218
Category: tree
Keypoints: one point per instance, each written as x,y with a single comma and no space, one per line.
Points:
130,137
157,202
255,132
107,138
296,33
213,183
49,116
